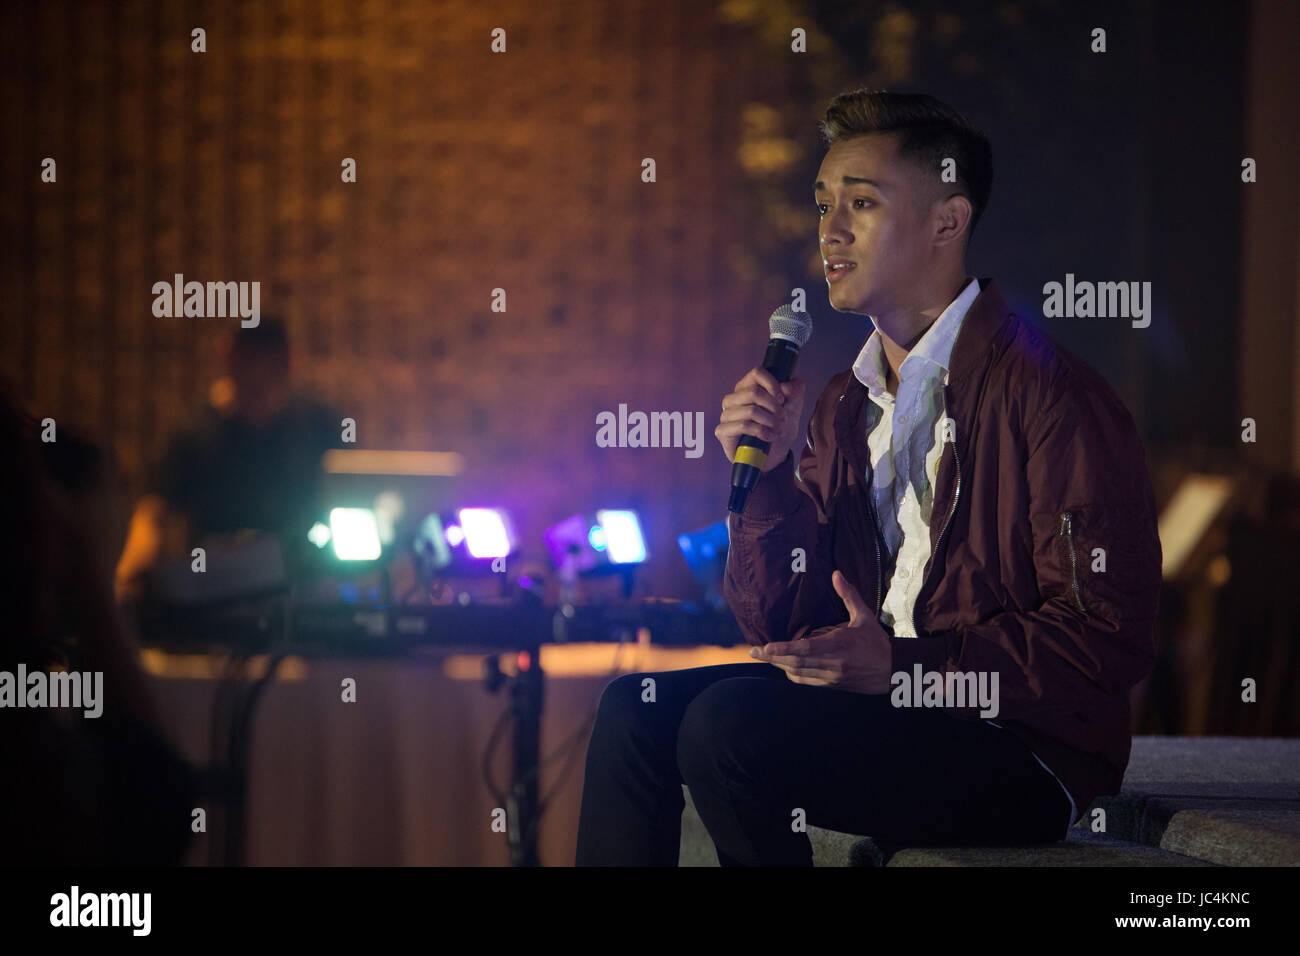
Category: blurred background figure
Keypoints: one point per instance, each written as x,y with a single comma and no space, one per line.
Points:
249,461
78,790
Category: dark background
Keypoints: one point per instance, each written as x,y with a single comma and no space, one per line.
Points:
522,171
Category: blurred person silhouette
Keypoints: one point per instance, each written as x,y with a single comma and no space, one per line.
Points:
248,461
79,790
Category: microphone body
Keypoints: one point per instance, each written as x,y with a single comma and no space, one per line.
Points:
789,331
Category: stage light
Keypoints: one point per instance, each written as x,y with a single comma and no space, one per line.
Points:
705,551
705,547
455,536
622,535
355,534
319,535
486,532
589,544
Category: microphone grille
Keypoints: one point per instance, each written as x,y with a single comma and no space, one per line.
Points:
786,323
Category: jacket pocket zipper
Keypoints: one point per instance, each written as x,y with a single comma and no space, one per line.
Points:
1067,531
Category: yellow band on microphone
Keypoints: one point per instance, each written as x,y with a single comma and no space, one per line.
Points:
749,455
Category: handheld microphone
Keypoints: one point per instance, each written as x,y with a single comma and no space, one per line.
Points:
789,331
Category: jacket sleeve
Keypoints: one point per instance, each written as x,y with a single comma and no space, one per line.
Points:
765,574
1098,571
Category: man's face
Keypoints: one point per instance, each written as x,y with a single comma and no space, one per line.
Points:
879,227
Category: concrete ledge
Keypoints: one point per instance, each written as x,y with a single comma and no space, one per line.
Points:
1234,801
1185,801
1241,836
1080,848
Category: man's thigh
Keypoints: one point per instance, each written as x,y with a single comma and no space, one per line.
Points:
857,764
649,706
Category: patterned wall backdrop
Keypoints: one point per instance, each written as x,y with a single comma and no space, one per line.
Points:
475,171
522,171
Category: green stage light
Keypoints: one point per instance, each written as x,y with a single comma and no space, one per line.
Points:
319,535
355,533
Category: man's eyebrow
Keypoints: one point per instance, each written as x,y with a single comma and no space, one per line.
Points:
848,181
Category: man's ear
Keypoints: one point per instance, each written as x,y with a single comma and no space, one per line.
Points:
951,219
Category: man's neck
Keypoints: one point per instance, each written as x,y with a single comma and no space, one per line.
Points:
900,331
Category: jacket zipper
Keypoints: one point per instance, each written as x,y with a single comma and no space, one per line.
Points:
1067,529
875,530
939,543
875,539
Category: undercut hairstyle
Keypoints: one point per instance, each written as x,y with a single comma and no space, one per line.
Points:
930,131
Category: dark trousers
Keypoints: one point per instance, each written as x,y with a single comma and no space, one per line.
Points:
755,749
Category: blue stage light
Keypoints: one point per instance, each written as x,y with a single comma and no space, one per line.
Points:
622,534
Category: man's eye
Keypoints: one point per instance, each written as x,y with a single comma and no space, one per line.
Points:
821,206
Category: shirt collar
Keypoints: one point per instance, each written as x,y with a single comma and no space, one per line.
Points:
934,348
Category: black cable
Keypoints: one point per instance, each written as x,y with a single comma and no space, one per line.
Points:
503,720
218,770
543,803
238,741
240,746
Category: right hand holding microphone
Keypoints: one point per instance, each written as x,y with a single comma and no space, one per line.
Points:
762,407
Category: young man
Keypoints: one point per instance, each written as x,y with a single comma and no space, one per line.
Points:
952,594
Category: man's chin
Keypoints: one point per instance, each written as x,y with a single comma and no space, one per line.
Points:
841,300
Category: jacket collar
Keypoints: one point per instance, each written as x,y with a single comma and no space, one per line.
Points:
980,333
980,338
930,355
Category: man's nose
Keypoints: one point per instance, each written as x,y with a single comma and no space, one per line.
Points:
833,231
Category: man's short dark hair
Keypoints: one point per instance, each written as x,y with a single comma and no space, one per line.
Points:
930,132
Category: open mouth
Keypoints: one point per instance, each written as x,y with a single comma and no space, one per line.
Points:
838,270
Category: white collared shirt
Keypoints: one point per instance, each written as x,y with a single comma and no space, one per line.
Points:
904,448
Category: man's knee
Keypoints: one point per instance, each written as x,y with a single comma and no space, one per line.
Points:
719,720
621,702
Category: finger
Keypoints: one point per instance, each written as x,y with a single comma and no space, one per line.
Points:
751,395
821,665
750,413
810,681
811,675
802,648
767,433
740,429
754,394
761,405
761,380
858,611
827,643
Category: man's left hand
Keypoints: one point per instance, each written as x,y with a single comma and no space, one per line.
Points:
855,656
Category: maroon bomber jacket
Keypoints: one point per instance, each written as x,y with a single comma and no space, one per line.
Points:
1042,467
